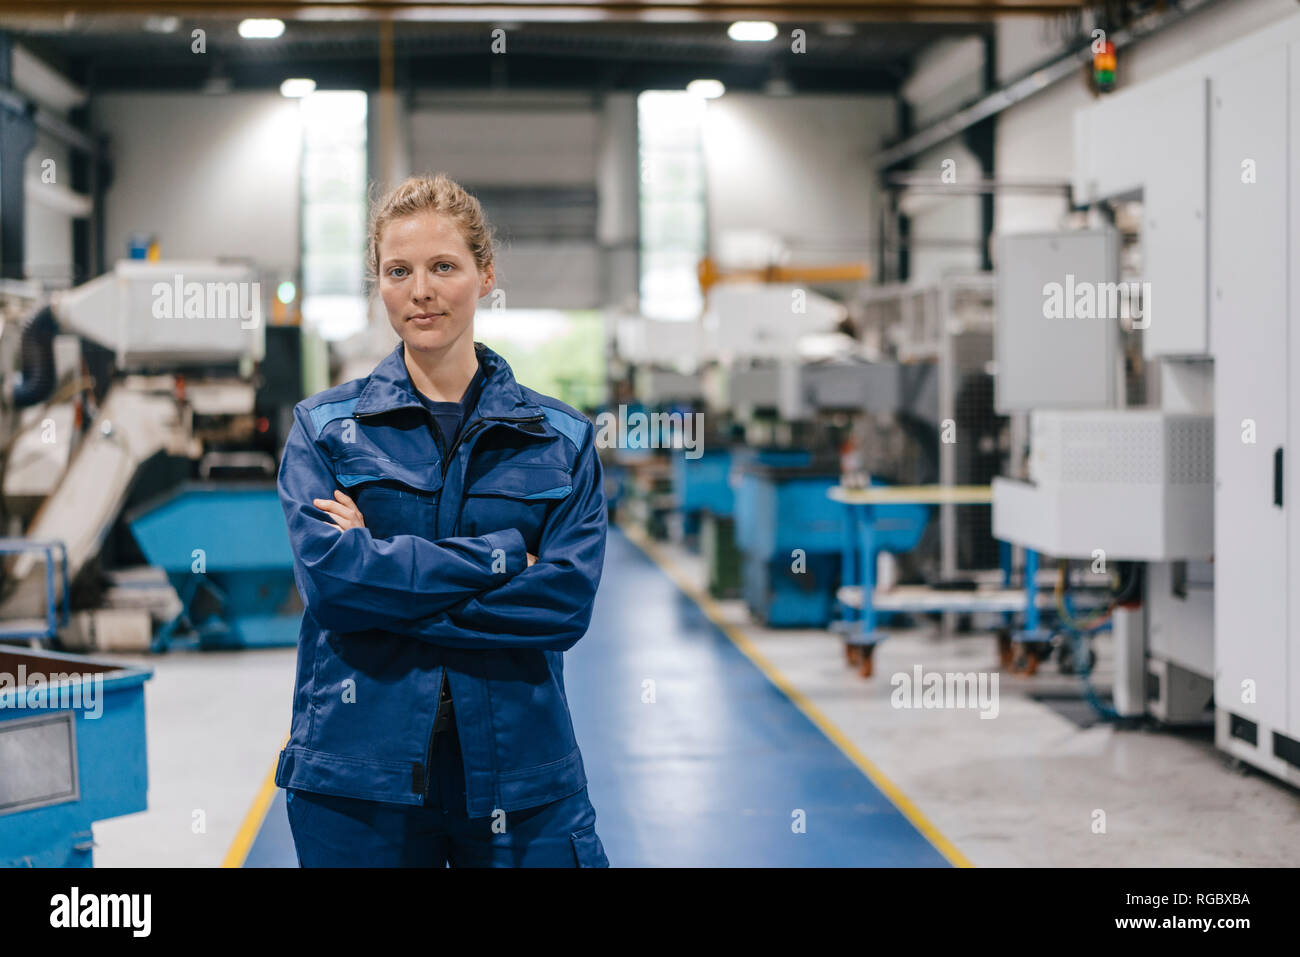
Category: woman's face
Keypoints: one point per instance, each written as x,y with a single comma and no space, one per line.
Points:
429,281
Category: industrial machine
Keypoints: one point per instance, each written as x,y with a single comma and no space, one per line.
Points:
146,377
789,537
140,417
1187,477
1109,479
929,529
653,378
801,389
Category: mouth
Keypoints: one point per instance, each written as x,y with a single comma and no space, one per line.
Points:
426,317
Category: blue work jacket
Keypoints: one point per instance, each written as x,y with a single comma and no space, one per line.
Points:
438,582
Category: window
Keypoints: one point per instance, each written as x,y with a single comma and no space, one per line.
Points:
333,195
673,216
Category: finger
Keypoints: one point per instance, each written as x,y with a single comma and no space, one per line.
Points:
325,505
342,497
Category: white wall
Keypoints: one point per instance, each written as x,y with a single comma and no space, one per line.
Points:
798,167
47,230
945,230
1035,138
523,139
49,199
210,175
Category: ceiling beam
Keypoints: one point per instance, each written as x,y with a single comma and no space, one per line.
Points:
660,11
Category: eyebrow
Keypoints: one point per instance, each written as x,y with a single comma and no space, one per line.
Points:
446,255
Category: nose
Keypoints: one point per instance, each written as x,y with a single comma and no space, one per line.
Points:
422,288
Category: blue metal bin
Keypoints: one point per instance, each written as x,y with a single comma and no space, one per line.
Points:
72,752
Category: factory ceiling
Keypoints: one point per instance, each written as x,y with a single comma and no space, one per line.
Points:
867,46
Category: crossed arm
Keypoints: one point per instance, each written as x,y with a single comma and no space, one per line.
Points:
452,592
344,514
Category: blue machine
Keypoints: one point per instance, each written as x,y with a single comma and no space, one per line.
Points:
72,752
790,534
702,484
225,548
793,536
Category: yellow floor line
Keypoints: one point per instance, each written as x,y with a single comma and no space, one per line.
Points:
828,728
247,832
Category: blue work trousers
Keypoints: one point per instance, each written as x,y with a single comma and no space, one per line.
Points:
330,831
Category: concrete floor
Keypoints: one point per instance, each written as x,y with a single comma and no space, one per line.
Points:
1023,789
215,723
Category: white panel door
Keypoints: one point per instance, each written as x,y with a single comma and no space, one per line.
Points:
1248,305
1045,360
1293,443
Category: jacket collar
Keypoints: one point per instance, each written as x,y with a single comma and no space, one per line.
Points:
389,387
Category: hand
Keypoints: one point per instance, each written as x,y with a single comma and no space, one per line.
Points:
344,512
532,559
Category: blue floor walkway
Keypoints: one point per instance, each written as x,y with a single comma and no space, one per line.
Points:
694,758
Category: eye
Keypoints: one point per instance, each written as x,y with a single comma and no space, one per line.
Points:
446,264
396,269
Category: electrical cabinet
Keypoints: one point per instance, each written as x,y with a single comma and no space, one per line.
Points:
1254,116
1050,360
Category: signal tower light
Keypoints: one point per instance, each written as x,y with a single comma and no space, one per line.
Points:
1103,68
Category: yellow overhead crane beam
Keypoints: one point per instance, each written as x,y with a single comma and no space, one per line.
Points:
710,275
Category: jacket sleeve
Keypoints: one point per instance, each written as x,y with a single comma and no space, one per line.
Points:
547,605
350,581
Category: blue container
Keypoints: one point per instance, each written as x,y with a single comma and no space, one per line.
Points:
229,541
137,245
780,596
72,752
780,509
791,535
704,483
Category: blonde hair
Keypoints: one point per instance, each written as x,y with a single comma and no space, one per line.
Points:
439,194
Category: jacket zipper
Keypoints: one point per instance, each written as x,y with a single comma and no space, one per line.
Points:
475,427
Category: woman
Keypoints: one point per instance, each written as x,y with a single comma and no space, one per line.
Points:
448,528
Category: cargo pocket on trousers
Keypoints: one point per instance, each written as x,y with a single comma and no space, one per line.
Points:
587,848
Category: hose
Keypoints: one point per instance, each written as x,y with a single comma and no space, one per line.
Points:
37,350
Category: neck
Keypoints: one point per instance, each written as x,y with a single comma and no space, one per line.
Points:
443,376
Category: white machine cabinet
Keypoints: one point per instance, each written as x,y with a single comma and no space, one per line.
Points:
1255,339
1213,148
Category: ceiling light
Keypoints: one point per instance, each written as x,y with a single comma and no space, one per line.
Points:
297,87
260,29
707,89
753,31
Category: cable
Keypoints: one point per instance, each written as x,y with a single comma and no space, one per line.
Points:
1063,611
1125,586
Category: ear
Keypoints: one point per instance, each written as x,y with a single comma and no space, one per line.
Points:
489,281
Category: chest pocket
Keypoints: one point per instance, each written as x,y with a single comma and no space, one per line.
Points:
514,496
395,498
